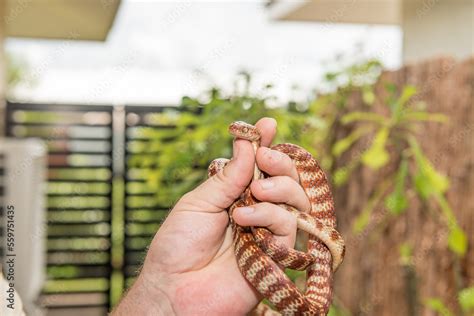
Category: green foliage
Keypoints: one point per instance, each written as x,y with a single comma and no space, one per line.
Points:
397,202
428,181
377,156
438,306
198,139
359,74
336,310
466,299
295,274
16,73
342,174
363,116
392,133
457,241
406,254
398,130
466,302
363,219
345,143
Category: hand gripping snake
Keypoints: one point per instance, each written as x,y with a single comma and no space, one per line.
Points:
260,256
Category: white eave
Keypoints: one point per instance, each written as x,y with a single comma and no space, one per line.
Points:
337,11
60,19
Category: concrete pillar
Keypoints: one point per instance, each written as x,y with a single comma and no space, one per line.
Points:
437,27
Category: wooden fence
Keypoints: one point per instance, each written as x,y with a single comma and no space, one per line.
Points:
372,280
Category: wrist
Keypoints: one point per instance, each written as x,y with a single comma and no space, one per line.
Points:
145,297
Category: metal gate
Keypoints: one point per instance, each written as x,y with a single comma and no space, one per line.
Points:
101,212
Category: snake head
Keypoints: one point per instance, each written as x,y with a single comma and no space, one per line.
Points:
244,130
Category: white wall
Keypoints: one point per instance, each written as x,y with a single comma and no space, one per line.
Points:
437,27
24,181
2,67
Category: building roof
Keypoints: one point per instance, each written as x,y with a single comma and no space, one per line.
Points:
60,19
337,11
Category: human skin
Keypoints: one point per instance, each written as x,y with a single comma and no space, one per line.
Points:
190,267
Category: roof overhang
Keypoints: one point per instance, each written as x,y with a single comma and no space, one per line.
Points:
60,19
337,11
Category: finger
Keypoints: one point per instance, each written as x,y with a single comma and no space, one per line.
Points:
281,189
267,127
278,220
276,163
221,190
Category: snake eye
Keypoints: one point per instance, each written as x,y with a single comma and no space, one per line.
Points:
245,130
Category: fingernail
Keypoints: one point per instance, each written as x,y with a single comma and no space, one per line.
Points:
273,155
266,184
246,210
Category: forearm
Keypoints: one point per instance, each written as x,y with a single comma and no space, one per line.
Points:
144,298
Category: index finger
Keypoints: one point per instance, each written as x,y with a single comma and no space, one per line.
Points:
267,127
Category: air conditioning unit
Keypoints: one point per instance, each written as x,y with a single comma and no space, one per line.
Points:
23,221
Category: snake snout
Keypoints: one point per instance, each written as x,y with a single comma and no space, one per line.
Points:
244,130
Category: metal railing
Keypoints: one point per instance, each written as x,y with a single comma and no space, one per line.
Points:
101,212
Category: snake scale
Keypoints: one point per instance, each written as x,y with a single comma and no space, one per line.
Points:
260,256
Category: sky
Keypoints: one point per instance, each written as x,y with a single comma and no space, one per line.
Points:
159,51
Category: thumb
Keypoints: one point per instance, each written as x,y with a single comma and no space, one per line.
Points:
221,190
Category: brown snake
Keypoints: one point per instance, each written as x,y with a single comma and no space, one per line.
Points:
260,256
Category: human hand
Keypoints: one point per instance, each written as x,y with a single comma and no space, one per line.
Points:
190,267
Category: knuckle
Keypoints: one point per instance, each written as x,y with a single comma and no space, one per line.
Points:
267,205
223,181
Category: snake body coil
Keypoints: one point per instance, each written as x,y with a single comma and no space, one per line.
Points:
260,256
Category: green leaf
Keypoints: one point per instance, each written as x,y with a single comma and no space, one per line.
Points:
331,76
396,202
466,299
364,116
345,143
407,93
336,310
439,182
341,175
447,211
425,116
398,106
368,95
332,311
294,274
457,241
377,156
406,254
391,87
422,185
427,180
438,306
361,221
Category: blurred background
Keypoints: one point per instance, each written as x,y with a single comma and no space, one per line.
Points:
110,110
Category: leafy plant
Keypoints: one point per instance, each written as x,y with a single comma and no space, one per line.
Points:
396,131
438,306
393,132
331,104
465,298
201,134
